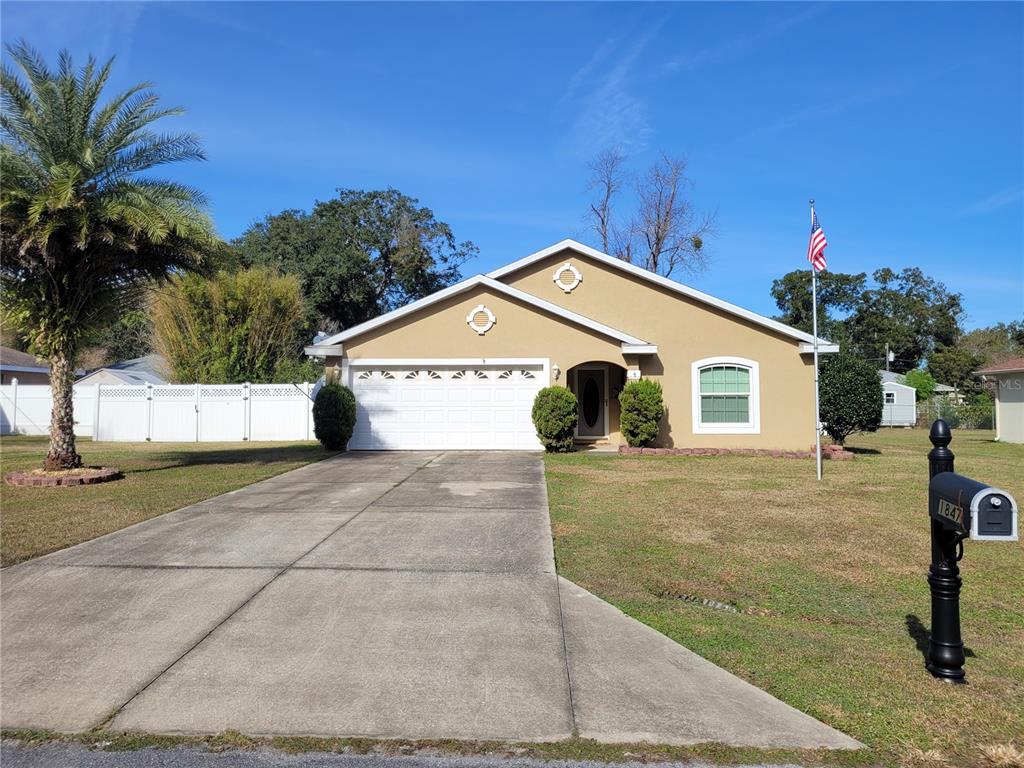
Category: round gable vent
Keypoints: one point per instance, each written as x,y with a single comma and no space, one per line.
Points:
567,277
480,319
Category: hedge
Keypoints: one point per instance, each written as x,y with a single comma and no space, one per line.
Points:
554,416
641,409
334,416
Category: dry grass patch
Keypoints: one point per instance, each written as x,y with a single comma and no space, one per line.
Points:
832,607
158,477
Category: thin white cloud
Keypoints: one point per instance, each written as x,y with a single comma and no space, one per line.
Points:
610,113
581,74
993,202
743,42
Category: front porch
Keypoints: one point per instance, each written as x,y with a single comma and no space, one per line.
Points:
597,385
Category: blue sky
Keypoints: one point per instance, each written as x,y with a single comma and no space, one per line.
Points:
904,121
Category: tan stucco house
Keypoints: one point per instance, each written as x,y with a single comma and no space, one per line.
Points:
1009,378
460,368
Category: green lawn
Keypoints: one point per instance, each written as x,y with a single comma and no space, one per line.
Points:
159,477
822,587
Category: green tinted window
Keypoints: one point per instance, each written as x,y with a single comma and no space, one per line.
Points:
724,378
725,395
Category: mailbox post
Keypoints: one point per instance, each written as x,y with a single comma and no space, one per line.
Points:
959,508
945,646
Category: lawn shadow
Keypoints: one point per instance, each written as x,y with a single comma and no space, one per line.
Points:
263,455
865,451
919,634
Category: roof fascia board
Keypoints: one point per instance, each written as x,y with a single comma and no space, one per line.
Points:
645,274
23,369
823,348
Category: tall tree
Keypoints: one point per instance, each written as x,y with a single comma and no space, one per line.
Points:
838,293
665,234
230,328
84,222
996,342
955,366
908,311
607,177
358,255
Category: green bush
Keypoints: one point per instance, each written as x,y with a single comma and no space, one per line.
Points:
554,416
851,396
334,416
642,408
923,382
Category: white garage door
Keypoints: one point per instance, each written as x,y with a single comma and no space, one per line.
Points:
445,406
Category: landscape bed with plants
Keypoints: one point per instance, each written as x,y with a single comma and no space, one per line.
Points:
813,591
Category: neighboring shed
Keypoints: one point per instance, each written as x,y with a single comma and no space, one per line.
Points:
1009,378
900,401
142,370
22,366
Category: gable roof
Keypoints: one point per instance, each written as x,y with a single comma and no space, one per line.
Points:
147,369
15,360
1013,365
664,282
626,339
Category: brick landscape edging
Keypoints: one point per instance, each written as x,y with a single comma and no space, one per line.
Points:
28,478
833,452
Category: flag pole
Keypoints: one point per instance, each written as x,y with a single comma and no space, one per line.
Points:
817,407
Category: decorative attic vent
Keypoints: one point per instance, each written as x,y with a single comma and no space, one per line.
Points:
480,319
567,277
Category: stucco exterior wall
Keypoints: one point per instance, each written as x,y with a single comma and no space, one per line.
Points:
440,331
685,331
1010,407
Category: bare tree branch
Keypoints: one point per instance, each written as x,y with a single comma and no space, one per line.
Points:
607,177
666,225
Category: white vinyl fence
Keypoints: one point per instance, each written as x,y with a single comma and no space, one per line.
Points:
168,412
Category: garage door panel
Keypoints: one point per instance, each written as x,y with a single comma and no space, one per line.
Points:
446,407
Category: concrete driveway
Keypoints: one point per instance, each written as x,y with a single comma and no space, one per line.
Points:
403,595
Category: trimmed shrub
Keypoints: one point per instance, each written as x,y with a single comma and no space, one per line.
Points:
554,416
851,396
334,416
641,410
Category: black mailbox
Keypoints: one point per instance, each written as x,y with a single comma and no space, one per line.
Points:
971,508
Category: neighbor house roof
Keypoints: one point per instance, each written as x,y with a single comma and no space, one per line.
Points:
630,343
890,377
1013,365
140,370
684,290
13,360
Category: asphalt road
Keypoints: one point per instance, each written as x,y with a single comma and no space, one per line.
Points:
15,755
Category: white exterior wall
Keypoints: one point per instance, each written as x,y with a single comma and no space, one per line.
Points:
1010,407
902,412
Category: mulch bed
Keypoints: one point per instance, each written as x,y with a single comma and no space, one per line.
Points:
42,479
833,452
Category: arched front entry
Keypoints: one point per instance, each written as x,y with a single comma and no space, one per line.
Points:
596,385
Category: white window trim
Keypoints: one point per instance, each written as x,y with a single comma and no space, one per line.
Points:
753,427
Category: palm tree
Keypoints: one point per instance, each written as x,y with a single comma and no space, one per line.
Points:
84,224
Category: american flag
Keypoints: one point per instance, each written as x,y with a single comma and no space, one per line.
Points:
816,247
